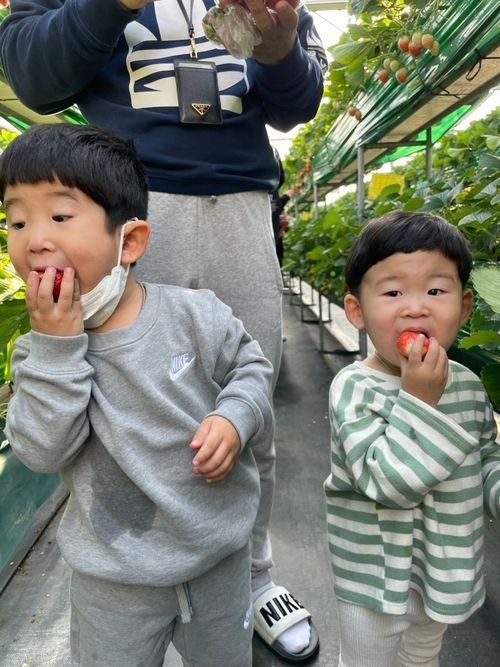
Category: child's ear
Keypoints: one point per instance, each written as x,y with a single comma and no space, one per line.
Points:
135,240
467,299
354,314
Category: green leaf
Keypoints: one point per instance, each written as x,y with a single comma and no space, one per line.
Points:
389,190
486,281
456,152
315,254
490,377
488,191
347,53
433,203
356,76
414,204
358,31
479,217
337,77
357,6
489,161
332,218
13,317
480,338
492,141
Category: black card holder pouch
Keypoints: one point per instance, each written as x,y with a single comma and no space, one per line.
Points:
198,92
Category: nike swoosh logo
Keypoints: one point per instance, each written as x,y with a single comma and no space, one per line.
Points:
177,374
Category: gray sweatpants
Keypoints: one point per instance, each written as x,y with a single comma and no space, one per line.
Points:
226,244
115,625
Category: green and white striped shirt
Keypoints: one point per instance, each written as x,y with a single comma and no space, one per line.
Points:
406,491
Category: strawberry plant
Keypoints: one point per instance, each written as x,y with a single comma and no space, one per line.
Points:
485,325
13,315
383,41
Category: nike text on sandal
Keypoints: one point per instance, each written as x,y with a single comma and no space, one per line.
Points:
275,611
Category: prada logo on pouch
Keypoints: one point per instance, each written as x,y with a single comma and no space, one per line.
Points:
200,108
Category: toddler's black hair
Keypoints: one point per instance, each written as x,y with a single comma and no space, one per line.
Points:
406,232
96,161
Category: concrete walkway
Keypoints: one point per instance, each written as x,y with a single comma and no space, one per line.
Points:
34,609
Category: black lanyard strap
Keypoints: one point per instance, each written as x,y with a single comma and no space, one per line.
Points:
189,23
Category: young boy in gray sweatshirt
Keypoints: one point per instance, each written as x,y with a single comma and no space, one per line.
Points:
148,400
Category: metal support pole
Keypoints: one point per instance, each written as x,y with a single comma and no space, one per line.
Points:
321,345
304,305
315,193
362,342
360,188
428,152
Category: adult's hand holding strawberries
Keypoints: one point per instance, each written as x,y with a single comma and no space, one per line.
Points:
218,446
277,26
425,375
52,314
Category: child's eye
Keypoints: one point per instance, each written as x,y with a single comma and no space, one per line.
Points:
435,291
393,292
60,218
15,225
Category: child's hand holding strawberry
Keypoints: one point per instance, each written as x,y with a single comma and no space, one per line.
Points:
424,374
218,445
53,302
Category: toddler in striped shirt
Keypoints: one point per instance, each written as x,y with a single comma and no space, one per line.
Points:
414,459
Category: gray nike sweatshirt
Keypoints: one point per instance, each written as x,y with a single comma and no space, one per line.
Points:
115,412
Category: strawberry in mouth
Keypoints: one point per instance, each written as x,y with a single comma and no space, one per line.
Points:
56,289
407,338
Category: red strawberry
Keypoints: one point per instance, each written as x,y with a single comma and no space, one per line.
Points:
416,38
405,341
401,75
56,289
435,48
404,42
414,49
427,41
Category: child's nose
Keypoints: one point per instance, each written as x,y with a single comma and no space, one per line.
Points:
415,306
39,240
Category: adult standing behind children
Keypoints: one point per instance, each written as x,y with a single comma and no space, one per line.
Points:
164,487
414,456
278,203
209,206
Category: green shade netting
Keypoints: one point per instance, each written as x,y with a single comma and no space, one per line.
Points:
467,31
437,131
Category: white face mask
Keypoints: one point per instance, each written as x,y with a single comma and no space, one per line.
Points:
100,303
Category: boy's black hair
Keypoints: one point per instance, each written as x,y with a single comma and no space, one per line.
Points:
403,231
96,161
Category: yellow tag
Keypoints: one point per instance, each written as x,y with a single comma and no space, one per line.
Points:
380,181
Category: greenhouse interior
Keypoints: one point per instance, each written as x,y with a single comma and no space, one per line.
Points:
395,131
